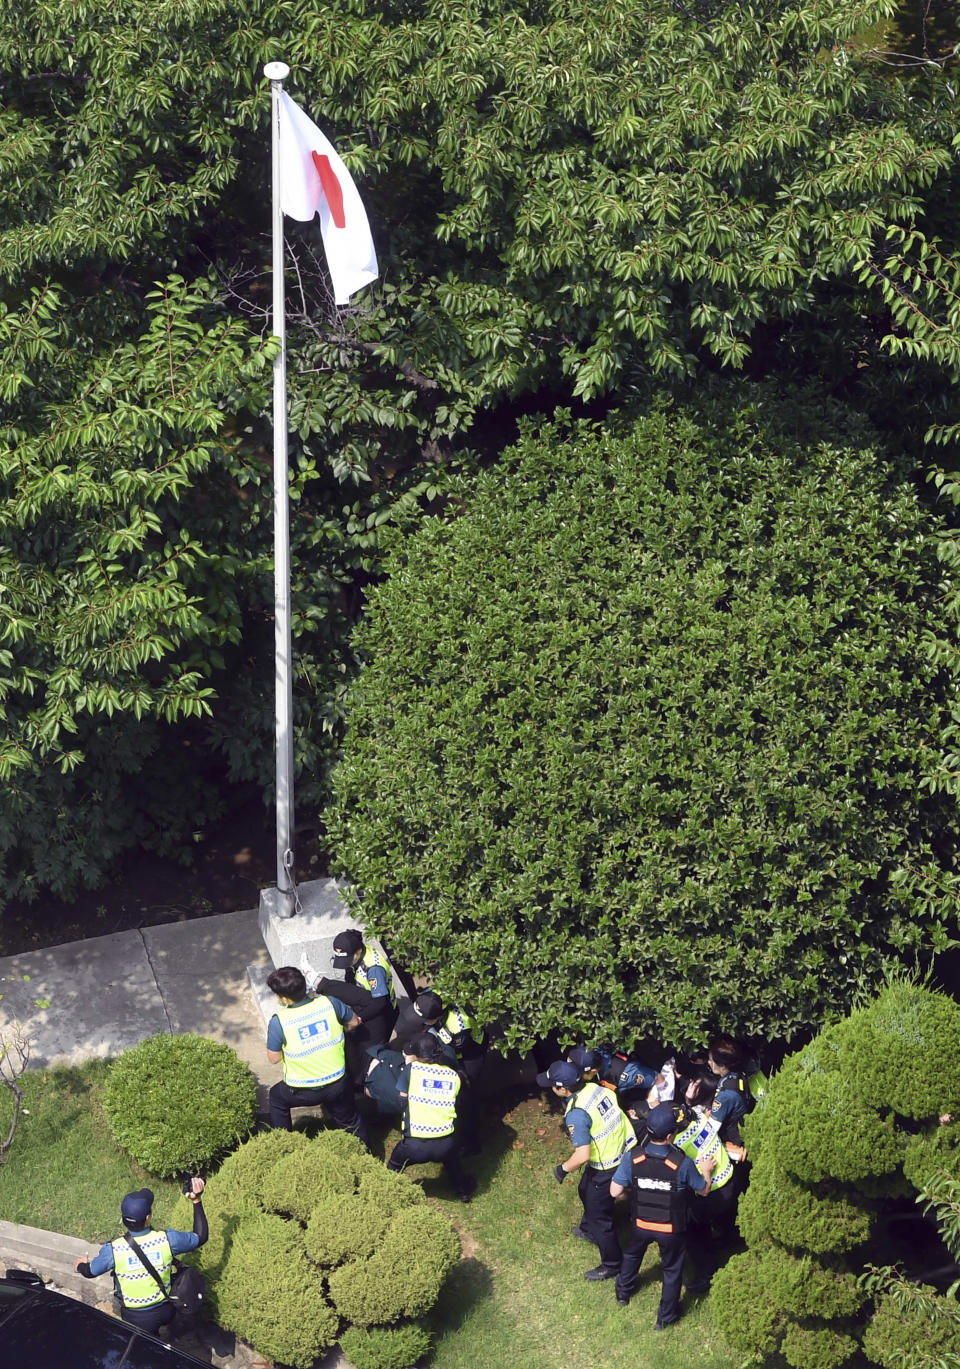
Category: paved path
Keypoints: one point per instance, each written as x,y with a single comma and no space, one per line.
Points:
95,998
98,997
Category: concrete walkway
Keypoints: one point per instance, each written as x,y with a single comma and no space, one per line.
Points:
98,997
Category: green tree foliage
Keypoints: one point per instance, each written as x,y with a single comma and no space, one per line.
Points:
562,197
308,1207
808,1230
638,746
178,1103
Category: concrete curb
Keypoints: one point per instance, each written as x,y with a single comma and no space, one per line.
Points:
50,1255
53,1256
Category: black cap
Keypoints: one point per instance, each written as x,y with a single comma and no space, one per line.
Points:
429,1005
136,1207
662,1121
348,942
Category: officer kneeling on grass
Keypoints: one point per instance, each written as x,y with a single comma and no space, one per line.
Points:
660,1178
429,1089
145,1300
308,1035
601,1134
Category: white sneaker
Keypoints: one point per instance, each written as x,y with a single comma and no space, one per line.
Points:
309,973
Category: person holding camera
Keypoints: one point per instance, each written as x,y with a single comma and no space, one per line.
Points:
145,1296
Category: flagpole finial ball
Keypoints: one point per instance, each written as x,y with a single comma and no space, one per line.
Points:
276,71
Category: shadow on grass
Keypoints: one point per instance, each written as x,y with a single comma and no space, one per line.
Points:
468,1284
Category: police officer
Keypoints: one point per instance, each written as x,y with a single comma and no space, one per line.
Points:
308,1035
460,1031
367,987
601,1134
732,1100
659,1177
145,1302
423,1014
429,1089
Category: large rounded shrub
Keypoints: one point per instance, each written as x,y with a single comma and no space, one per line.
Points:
362,1253
841,1134
179,1102
657,699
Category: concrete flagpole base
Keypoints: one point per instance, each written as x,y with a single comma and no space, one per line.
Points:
324,914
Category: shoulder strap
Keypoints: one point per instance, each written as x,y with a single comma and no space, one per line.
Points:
146,1263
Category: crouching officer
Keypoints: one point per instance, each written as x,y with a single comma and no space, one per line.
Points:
429,1092
145,1301
308,1035
659,1177
600,1133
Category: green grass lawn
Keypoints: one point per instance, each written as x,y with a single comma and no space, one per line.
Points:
518,1299
63,1171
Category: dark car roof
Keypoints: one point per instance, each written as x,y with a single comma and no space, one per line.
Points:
46,1330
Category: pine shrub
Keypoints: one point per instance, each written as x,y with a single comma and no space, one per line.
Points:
835,1139
816,1347
404,1276
387,1347
370,1252
895,1333
178,1103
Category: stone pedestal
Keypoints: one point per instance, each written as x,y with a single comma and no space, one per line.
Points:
311,932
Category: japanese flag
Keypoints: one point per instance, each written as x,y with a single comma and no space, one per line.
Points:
312,178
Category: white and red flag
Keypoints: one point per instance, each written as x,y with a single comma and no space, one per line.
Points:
312,178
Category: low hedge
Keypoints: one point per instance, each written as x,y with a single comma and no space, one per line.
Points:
178,1103
362,1252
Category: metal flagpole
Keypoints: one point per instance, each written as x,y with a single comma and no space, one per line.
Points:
276,72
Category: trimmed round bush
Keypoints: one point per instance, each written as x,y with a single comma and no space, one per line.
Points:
361,1246
834,1140
660,692
272,1295
388,1347
815,1131
745,1305
178,1103
404,1276
778,1207
905,1048
816,1347
935,1150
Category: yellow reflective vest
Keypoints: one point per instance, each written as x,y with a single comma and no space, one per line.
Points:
610,1130
432,1101
137,1288
699,1138
371,957
313,1044
456,1025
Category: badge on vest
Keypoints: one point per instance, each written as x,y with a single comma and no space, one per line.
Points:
318,1028
442,1085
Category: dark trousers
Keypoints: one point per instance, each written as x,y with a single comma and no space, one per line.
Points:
713,1224
373,1031
598,1208
673,1250
337,1098
412,1151
148,1318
